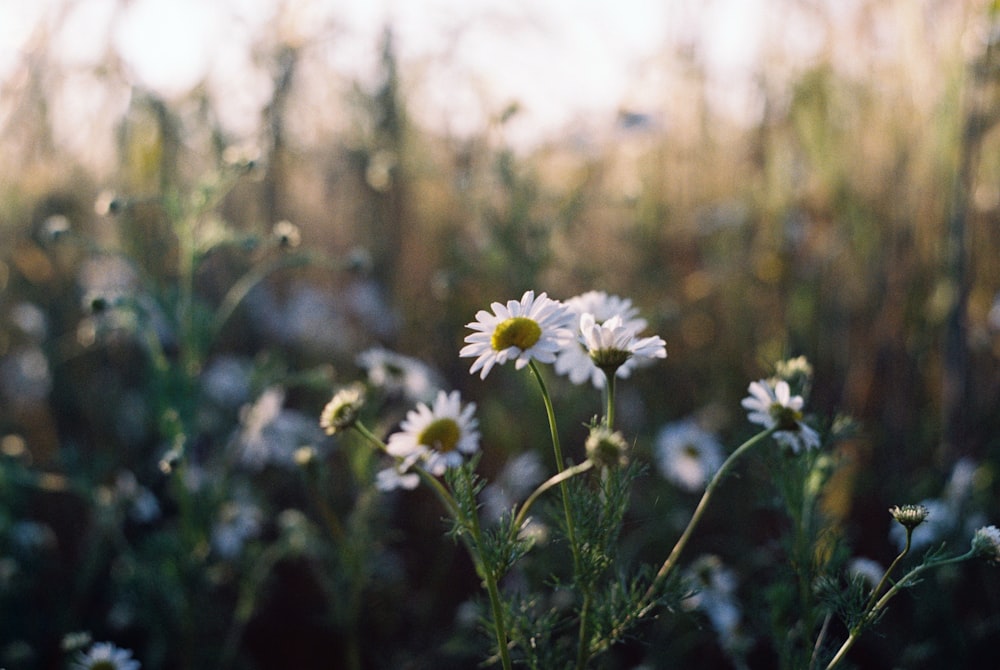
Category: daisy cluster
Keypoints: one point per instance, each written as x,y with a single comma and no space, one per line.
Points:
587,337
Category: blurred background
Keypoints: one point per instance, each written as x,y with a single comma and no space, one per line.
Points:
763,178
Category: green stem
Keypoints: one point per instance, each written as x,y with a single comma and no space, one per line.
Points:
648,600
892,566
559,478
490,579
560,465
699,511
884,600
582,647
610,376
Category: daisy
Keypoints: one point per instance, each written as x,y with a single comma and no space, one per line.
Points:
105,656
342,411
529,329
394,477
438,435
576,359
612,344
687,455
775,406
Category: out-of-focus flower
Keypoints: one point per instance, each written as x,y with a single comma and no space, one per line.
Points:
606,448
960,484
31,537
237,522
687,454
105,656
395,373
772,405
986,543
226,381
25,378
143,507
523,330
993,317
868,569
286,234
30,320
343,409
392,478
514,482
575,359
270,434
715,596
440,435
798,372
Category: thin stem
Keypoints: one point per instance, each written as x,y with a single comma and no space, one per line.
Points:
559,478
819,639
490,578
884,600
648,600
610,377
582,646
699,511
560,466
892,566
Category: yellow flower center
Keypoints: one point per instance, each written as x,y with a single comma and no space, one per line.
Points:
441,435
518,331
786,417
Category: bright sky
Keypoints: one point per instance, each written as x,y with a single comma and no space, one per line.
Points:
562,60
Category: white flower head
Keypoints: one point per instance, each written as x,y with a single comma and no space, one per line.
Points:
522,330
342,411
938,522
105,656
604,306
715,595
439,435
394,477
687,454
986,543
771,404
612,344
607,331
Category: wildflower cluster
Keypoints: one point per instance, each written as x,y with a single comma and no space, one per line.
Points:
597,338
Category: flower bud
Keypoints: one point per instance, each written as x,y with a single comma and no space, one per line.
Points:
606,448
986,543
910,516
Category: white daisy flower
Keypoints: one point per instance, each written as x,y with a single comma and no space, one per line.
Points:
105,656
715,595
574,360
394,477
775,406
523,330
439,436
687,454
614,345
604,306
